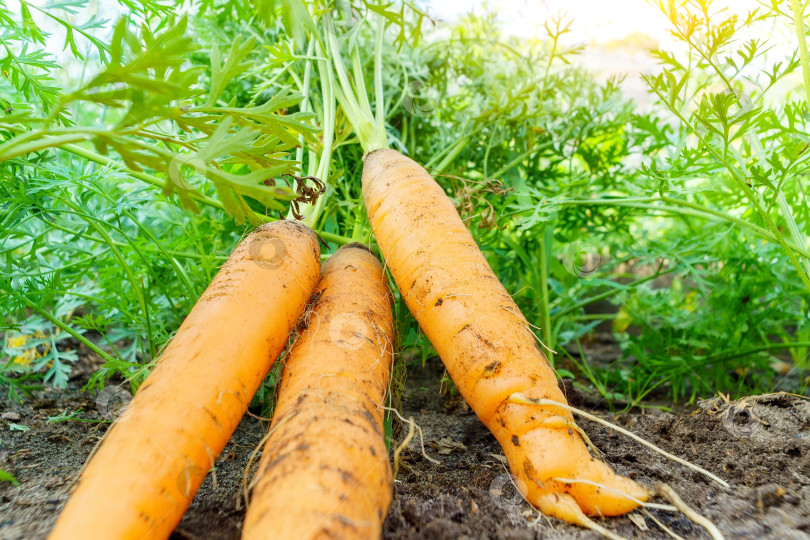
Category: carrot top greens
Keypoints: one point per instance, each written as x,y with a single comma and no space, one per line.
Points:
668,227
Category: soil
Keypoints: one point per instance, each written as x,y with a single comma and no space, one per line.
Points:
760,445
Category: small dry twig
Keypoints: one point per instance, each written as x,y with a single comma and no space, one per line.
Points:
669,494
306,194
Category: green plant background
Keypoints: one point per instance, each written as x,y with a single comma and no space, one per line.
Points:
681,231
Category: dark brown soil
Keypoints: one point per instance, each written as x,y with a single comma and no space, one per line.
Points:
760,445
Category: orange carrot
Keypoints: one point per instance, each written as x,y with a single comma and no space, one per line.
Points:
485,342
325,472
156,455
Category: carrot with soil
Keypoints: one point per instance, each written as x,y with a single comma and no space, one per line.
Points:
325,471
485,342
157,454
476,328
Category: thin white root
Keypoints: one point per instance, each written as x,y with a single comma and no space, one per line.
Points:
529,327
419,429
398,450
663,527
523,400
666,507
566,423
245,488
587,522
669,494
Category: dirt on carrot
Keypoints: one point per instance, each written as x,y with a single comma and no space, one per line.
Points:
324,472
467,495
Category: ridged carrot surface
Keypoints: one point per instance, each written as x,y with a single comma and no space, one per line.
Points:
156,455
484,341
325,471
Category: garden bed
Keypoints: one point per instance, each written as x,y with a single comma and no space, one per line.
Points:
760,445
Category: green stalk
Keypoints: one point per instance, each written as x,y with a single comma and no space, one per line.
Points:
595,317
378,82
545,256
179,269
801,36
354,101
460,145
751,195
784,207
742,223
770,347
148,178
202,199
487,151
802,267
80,338
13,148
299,152
405,139
514,163
550,60
122,260
542,297
181,273
359,81
97,300
358,234
345,93
54,225
305,106
608,294
313,212
690,209
454,149
107,240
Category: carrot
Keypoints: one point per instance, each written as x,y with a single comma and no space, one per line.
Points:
156,455
325,472
485,342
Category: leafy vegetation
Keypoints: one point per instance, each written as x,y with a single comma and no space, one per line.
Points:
682,230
